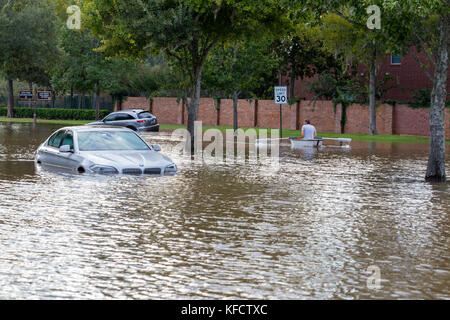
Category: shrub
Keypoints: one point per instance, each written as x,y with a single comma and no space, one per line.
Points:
55,113
422,98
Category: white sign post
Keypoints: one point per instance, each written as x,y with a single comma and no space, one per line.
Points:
281,95
281,98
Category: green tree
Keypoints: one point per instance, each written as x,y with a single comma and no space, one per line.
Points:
27,43
348,32
358,44
340,85
404,24
239,68
303,54
183,30
156,78
425,24
83,69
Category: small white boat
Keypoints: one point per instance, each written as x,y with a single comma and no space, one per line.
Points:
308,143
313,143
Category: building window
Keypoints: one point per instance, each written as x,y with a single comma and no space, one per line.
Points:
396,59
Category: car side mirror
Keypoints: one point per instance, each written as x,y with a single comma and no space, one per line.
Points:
156,147
65,148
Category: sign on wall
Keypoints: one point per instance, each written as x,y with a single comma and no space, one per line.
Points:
45,95
26,95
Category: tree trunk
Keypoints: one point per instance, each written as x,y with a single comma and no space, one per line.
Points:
193,107
71,97
292,85
30,87
198,61
436,159
119,102
343,116
372,98
53,95
95,103
235,110
184,106
10,112
34,105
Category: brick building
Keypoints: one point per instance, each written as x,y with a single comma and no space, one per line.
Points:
391,119
404,70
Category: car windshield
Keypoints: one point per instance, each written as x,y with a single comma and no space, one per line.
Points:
110,140
145,115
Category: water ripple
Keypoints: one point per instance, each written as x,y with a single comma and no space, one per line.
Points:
308,230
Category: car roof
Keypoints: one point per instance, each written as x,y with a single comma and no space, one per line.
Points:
130,111
96,128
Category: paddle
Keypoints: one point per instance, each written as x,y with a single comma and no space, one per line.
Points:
347,140
270,139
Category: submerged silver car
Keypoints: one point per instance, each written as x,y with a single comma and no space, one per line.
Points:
134,119
103,150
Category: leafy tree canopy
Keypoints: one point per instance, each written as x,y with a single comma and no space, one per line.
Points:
240,67
27,40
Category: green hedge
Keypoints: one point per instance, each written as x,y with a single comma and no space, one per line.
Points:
55,113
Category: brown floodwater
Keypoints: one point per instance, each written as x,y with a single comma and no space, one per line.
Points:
307,230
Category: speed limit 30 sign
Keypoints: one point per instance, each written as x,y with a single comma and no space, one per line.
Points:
281,95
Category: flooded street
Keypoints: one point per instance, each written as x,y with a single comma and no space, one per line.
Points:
309,230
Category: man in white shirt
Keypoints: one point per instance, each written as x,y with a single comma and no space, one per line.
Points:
308,131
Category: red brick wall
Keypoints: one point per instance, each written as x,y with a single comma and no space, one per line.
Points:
136,103
289,116
447,123
386,115
410,121
268,114
358,119
167,109
246,112
390,120
207,112
322,115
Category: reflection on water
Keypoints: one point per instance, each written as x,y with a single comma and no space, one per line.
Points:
307,153
307,230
